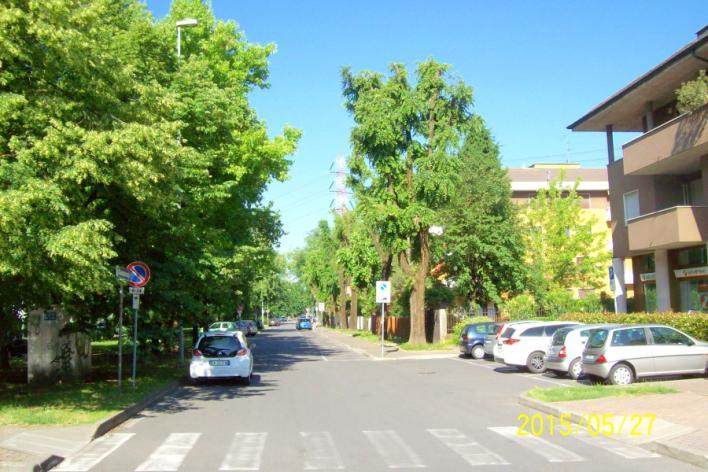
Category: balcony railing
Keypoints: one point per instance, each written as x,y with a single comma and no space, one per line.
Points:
671,228
673,147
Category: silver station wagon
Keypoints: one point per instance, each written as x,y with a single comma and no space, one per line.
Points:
621,354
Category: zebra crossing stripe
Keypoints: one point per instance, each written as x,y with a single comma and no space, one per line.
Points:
616,447
245,452
94,453
394,451
320,452
170,454
467,448
549,451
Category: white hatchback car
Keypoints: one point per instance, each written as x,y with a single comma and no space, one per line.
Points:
564,354
526,345
222,355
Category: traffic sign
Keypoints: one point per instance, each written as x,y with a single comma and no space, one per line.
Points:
139,274
383,291
123,274
321,307
136,290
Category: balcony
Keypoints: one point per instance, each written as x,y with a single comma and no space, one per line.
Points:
672,228
675,147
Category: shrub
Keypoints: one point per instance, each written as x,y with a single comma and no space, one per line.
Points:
521,307
693,324
693,94
457,330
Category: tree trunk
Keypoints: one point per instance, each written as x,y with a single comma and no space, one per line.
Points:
342,300
354,309
417,299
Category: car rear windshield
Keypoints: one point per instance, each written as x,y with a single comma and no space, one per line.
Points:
219,346
598,338
508,332
559,336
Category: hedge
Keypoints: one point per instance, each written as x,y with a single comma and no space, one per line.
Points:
457,330
694,324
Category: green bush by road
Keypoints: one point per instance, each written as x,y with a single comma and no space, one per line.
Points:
566,394
693,324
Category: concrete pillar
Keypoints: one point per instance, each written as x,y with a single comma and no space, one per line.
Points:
610,144
663,284
440,331
619,285
649,114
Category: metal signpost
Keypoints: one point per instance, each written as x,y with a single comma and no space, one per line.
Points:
123,275
383,296
139,277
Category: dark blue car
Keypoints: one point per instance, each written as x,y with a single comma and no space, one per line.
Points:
472,338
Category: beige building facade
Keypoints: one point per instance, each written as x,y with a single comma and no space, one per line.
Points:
659,186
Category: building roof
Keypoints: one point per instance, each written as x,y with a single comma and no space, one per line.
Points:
624,109
531,179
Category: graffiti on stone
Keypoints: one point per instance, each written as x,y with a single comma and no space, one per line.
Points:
63,359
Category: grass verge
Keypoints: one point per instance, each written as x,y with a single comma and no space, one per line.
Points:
566,394
89,401
446,346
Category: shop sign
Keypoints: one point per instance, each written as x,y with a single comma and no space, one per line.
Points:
692,272
648,276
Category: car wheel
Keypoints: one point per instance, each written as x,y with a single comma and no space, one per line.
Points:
575,369
535,363
621,374
194,380
246,380
477,352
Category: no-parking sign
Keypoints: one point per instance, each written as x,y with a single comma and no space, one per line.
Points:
139,274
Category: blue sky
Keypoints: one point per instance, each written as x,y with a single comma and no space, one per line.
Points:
535,68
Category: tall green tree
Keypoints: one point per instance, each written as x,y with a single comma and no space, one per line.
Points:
482,247
562,250
404,156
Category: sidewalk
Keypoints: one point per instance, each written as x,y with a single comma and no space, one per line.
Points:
23,448
681,427
391,350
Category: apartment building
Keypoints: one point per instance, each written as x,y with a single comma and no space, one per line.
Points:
659,186
593,190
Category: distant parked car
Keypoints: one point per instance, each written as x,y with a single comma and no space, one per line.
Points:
565,352
248,327
525,345
621,354
303,323
274,322
223,326
221,355
472,338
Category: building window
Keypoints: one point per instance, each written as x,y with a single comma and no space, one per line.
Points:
695,256
585,201
631,205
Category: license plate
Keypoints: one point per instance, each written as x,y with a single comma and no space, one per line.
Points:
218,363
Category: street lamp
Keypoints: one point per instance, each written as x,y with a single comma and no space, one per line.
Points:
186,23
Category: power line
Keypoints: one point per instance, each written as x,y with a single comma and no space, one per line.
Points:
531,158
300,187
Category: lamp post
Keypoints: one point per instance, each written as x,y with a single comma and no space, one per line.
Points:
185,23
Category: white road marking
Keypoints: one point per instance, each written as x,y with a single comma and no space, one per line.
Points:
41,444
324,358
94,453
320,451
615,447
396,453
467,448
551,452
538,377
245,452
170,454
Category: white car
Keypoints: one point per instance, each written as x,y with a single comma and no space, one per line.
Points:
525,345
564,355
222,355
493,343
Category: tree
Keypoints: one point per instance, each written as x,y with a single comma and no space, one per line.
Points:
562,249
404,147
481,250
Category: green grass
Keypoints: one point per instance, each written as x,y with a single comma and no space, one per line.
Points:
86,402
563,394
446,346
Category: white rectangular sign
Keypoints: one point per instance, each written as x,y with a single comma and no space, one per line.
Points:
136,301
136,290
122,274
321,307
383,291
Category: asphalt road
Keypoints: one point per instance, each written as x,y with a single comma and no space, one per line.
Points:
315,405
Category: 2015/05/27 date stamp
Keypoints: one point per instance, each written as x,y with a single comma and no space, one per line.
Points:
607,424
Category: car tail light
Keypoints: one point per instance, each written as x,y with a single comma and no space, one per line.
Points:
562,352
511,341
464,337
601,359
499,331
196,353
242,352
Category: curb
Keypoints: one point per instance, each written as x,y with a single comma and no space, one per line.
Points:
112,422
684,455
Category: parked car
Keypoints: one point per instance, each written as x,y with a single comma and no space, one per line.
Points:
565,352
472,338
223,326
525,345
491,347
274,322
621,354
259,324
303,323
221,355
247,326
